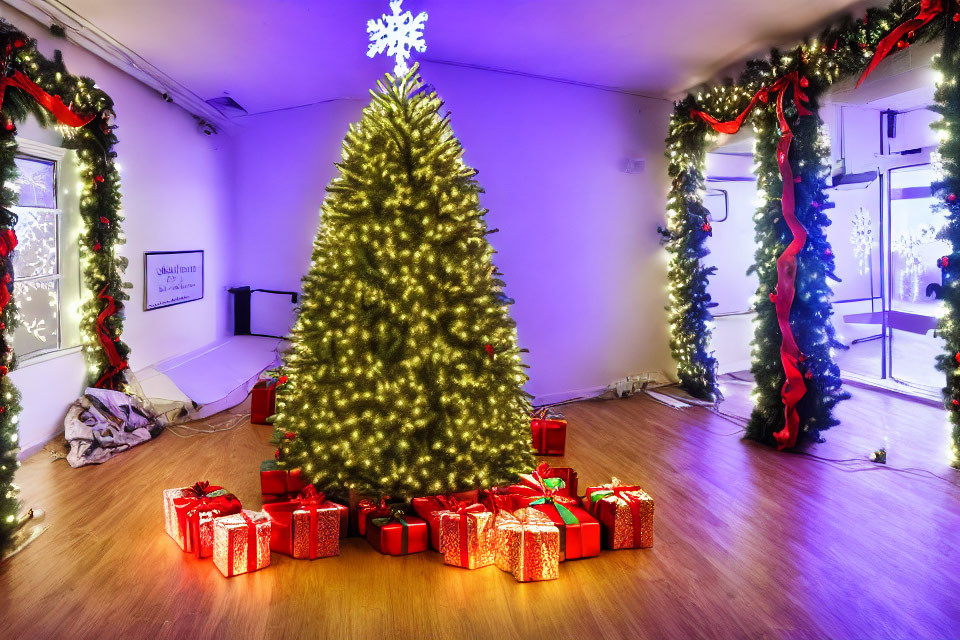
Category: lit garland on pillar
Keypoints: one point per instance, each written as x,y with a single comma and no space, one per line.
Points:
404,376
948,190
32,84
840,51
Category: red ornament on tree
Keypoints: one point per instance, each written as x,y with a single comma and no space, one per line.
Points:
489,350
98,178
97,247
282,380
3,409
956,17
10,126
957,357
18,43
956,402
3,370
943,262
804,82
952,197
815,204
828,252
706,227
289,435
104,220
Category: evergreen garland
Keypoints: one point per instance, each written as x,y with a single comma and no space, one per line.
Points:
839,51
101,267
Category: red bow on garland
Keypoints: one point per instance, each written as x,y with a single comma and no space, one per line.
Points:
794,388
929,9
117,364
53,104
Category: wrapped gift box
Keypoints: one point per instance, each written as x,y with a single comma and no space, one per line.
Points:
468,537
625,513
309,526
527,545
579,531
365,507
241,542
429,508
189,513
395,533
549,430
263,402
279,485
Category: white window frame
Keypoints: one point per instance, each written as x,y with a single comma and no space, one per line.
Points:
68,261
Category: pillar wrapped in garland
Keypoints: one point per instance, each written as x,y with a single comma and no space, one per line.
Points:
31,84
798,384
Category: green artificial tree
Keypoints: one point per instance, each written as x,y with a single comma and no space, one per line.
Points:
404,374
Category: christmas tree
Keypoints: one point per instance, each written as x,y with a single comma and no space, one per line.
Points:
404,374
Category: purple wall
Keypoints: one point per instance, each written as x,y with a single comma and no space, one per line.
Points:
577,242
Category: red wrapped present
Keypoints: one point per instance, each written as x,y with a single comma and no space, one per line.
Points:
241,542
549,430
263,402
365,507
309,526
395,533
429,508
189,514
280,485
625,512
561,480
496,499
527,545
468,538
579,531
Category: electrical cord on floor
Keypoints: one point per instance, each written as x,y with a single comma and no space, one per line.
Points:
872,466
215,428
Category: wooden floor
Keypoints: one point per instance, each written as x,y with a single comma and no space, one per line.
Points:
750,543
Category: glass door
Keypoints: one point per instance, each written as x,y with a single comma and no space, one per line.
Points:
913,277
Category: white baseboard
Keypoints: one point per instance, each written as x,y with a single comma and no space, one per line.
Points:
563,396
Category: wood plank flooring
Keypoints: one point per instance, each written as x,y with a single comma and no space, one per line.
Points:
750,543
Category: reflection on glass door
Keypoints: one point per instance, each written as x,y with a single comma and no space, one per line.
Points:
914,279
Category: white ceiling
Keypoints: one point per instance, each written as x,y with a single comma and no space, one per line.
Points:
273,54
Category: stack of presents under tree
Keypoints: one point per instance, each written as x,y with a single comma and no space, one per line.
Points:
527,528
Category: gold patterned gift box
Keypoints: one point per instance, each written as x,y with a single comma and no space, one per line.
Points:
468,537
307,527
625,512
241,542
189,513
528,545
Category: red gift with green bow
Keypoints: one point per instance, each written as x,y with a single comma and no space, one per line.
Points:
579,531
193,511
395,533
625,512
308,527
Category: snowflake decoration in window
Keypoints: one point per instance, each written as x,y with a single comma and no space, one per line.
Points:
861,237
36,253
397,34
907,246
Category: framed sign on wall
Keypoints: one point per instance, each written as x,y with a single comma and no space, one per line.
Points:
171,277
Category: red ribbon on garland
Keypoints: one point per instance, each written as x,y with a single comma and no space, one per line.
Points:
117,364
794,388
929,9
53,104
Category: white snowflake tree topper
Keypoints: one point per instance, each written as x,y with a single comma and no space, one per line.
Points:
397,34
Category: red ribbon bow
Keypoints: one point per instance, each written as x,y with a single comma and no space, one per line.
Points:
794,388
53,104
117,364
311,500
929,9
466,510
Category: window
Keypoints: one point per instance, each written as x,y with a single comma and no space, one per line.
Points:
46,271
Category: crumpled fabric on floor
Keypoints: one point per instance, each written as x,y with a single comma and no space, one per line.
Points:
103,423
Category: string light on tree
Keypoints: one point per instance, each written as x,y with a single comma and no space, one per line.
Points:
404,375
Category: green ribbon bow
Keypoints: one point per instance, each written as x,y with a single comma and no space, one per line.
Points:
553,483
399,516
565,514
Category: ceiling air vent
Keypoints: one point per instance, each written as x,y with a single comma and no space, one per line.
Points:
227,106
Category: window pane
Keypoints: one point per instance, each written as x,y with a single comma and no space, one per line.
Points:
36,183
39,329
36,253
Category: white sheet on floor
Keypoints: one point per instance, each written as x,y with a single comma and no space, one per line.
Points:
212,378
